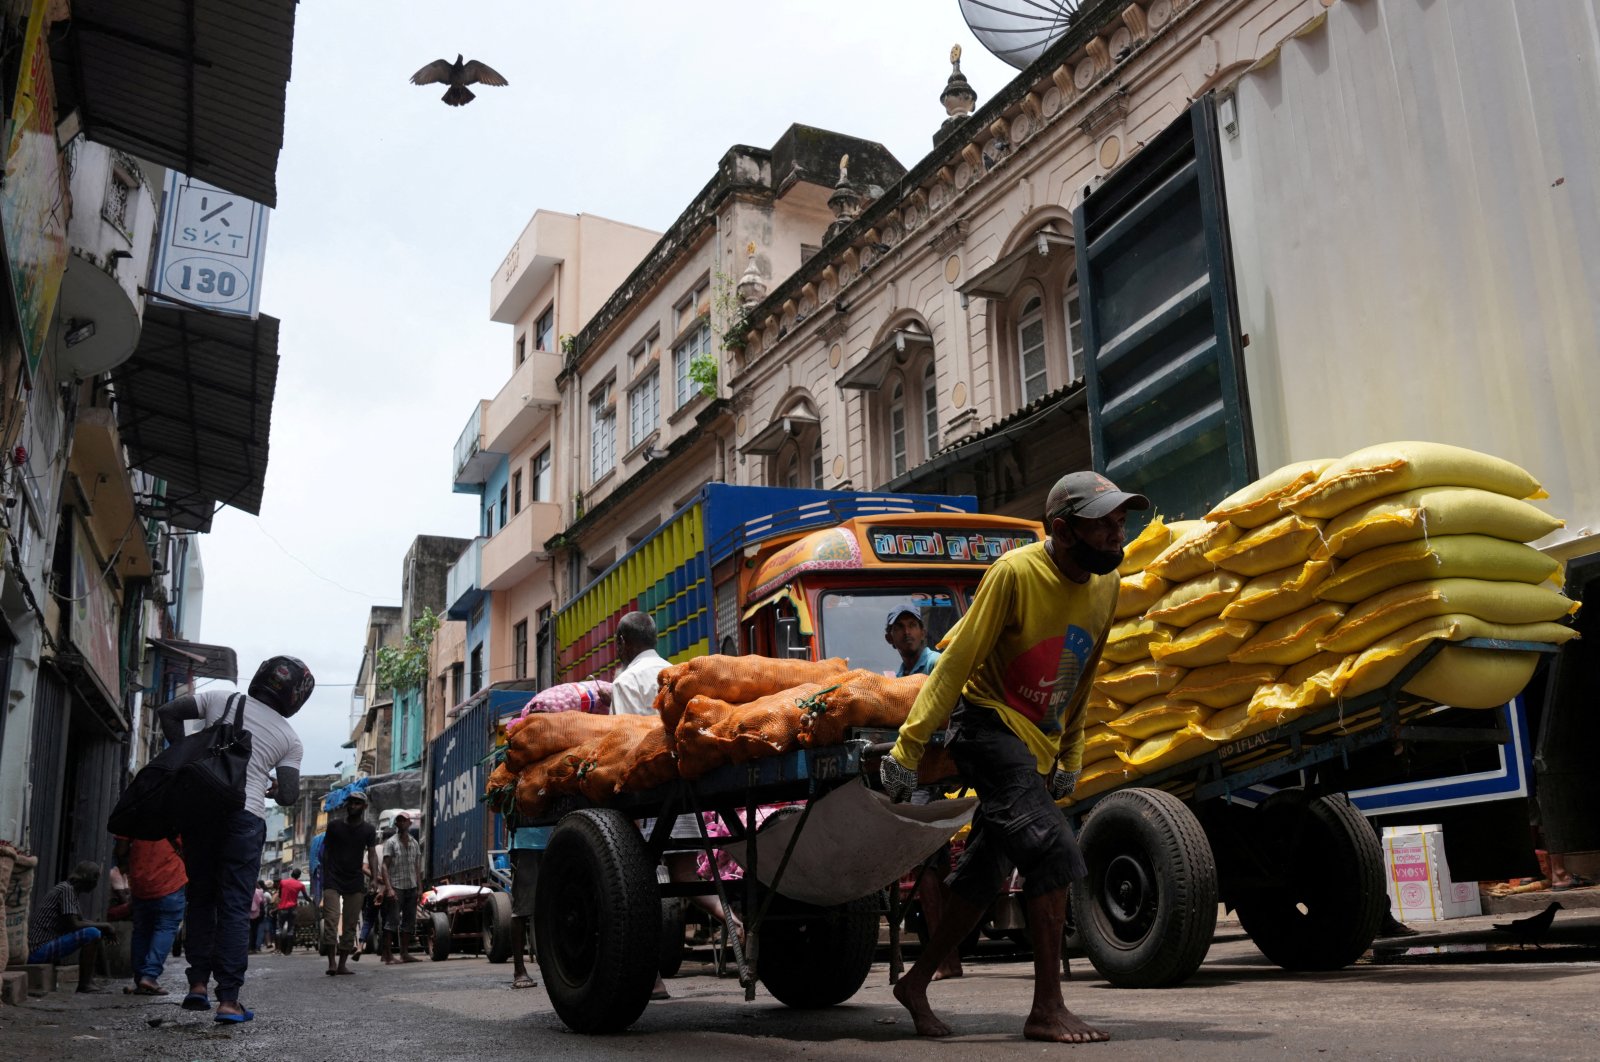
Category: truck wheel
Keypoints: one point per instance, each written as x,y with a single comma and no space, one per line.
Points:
497,927
672,922
1326,908
597,920
1147,911
439,934
811,957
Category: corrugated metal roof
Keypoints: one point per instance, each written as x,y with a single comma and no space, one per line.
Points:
194,406
195,85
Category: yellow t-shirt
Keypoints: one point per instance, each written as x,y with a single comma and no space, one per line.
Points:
1027,648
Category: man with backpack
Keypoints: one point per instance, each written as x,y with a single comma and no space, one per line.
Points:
222,852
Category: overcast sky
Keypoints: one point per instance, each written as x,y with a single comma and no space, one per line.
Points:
394,210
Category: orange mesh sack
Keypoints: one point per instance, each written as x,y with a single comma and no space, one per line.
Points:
533,798
859,698
544,734
713,733
601,765
650,764
733,680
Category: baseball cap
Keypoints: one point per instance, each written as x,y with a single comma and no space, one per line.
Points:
1089,495
356,797
902,610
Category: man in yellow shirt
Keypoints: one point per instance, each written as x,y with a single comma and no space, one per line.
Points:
1013,684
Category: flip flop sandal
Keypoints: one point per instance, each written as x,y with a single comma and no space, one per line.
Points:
233,1019
524,982
195,1001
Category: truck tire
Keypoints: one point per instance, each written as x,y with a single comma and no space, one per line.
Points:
1328,904
812,957
1147,911
498,930
438,936
672,946
597,918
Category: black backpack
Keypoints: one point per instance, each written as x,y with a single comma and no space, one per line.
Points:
200,774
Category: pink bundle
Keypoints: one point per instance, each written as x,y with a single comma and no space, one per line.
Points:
591,695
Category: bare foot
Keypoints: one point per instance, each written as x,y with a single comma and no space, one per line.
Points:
1062,1027
916,1002
948,972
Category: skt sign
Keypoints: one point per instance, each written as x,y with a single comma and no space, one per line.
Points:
211,248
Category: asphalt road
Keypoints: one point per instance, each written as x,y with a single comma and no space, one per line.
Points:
1468,1003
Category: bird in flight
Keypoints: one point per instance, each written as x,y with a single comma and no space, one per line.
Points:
458,75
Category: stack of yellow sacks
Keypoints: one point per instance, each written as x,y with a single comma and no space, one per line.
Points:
1318,582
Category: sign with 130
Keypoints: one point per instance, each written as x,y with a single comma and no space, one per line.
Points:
212,243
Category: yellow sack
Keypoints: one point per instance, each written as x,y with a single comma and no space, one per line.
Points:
1157,716
1285,541
1473,678
1102,751
1393,467
1138,592
1107,774
1432,511
1235,722
1498,602
1280,593
1132,683
1262,501
1291,639
1380,663
1164,751
1220,685
1468,556
1133,639
1100,708
1207,642
1198,599
1186,557
1311,683
1148,544
1102,736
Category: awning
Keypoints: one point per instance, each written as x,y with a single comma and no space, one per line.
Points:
195,85
199,660
1000,280
868,373
194,405
767,441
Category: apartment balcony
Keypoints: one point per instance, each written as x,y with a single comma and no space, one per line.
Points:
104,489
464,582
523,404
518,549
474,462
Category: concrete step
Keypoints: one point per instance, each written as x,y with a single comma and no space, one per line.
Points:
14,987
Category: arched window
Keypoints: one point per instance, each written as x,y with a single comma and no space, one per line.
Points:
1072,314
930,410
1031,365
816,464
791,468
897,429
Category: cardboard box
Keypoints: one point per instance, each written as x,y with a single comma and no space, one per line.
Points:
1418,876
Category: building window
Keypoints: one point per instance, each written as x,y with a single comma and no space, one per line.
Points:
930,410
502,506
816,464
544,330
897,429
1030,352
644,408
602,432
791,469
522,349
1074,316
544,661
689,307
543,490
458,682
477,668
516,492
519,650
698,344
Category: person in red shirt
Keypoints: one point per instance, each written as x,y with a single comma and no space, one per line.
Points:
290,889
157,882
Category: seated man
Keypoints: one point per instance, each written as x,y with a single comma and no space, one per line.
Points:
58,928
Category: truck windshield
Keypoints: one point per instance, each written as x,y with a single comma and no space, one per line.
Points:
852,623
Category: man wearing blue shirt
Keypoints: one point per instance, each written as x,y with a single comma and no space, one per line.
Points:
904,631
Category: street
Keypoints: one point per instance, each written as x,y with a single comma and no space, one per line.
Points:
1527,1004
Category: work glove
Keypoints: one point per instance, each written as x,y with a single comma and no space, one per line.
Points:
898,782
1062,782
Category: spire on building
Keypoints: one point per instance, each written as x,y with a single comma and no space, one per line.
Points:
752,287
957,97
845,202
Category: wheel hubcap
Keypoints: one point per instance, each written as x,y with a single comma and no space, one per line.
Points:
1128,896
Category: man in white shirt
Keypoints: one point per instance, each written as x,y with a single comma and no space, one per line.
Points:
222,853
633,691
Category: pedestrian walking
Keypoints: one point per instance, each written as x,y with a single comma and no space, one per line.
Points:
222,853
157,885
291,892
258,916
402,866
58,928
1014,684
347,842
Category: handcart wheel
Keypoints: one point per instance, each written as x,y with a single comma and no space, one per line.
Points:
597,918
672,947
1328,905
1147,911
812,957
439,945
497,927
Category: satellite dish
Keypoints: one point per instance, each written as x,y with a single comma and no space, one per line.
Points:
1018,31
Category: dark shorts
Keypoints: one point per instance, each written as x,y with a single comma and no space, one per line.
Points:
1016,825
524,879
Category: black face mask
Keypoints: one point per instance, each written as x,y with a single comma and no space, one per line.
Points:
1094,561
